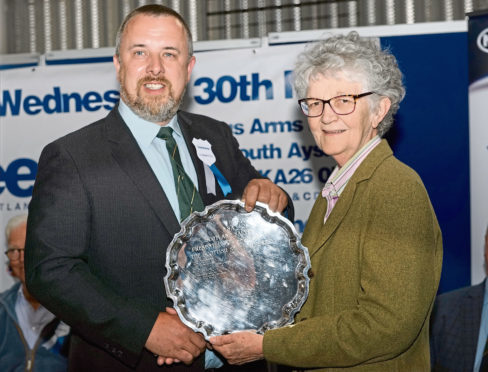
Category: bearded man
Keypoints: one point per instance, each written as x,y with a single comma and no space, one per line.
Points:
107,202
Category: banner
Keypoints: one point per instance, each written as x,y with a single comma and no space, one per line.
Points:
38,105
251,90
259,104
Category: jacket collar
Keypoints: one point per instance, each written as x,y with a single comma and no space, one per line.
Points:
130,158
316,232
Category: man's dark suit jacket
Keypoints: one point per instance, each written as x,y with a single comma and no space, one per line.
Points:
455,324
99,224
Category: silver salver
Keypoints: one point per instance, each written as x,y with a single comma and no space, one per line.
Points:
230,270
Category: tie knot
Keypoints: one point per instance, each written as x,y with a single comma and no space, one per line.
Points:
329,191
165,133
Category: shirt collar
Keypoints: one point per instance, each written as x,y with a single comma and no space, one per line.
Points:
144,131
340,176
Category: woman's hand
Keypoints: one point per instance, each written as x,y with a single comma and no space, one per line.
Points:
240,347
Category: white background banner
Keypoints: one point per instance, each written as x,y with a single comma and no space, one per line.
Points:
251,90
43,103
38,105
258,102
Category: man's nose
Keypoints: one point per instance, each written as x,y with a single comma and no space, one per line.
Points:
155,65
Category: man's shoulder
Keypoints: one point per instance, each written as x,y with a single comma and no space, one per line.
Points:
87,131
197,119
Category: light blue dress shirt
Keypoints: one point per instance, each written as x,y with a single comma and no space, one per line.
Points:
156,154
154,149
483,332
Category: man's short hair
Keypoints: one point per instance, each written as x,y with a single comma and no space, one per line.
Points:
155,10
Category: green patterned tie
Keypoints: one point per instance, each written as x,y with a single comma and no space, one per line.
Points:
189,199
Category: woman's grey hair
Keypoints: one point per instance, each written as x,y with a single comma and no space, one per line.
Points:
358,57
156,11
13,223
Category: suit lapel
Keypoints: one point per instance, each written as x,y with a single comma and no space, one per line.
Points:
311,234
190,131
130,158
338,213
322,232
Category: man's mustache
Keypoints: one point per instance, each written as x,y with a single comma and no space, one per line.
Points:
149,79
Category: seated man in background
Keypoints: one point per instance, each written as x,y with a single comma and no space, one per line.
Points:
459,328
31,338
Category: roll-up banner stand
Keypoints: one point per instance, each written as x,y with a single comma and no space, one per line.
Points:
478,138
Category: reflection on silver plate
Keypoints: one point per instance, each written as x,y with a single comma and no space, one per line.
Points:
230,270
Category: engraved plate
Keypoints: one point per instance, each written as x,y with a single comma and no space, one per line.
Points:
230,270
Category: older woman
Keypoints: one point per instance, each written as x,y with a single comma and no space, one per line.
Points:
373,236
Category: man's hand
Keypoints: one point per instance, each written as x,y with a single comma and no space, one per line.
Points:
263,190
173,341
240,347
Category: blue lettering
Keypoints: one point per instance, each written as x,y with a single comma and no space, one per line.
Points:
265,173
304,152
73,96
111,96
55,99
299,225
256,84
232,89
237,128
275,126
208,89
294,150
89,99
288,84
256,126
30,103
227,88
280,177
3,178
264,152
17,172
324,173
297,126
308,195
57,102
7,101
243,84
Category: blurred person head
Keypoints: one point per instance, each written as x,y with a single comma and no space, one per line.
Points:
350,89
15,233
153,60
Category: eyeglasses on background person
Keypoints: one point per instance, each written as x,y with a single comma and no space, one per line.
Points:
14,253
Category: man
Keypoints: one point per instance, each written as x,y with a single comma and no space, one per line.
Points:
105,206
459,328
31,338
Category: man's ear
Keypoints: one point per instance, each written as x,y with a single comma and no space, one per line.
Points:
117,65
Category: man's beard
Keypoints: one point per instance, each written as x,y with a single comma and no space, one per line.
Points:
151,108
